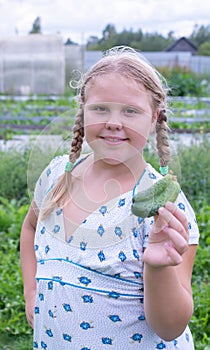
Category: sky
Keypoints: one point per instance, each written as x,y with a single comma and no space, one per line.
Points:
80,19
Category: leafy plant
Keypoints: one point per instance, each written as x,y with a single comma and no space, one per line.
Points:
200,322
12,309
182,81
13,170
13,342
194,177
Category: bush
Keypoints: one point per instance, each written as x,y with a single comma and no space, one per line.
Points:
200,322
13,170
16,179
194,177
12,307
183,82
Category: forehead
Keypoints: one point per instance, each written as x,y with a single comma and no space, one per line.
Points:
116,88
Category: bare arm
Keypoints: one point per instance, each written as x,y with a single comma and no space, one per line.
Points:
28,259
167,275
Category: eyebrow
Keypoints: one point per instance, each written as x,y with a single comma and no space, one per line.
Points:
109,104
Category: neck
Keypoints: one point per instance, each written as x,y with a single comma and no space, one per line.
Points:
128,171
102,181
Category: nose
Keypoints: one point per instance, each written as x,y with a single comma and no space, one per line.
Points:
114,121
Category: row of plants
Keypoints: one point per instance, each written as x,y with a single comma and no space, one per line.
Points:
50,106
30,115
189,163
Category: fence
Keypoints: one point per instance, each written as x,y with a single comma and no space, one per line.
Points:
198,64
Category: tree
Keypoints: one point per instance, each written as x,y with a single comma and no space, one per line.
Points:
154,42
200,34
92,43
204,49
108,31
109,38
36,27
171,35
147,41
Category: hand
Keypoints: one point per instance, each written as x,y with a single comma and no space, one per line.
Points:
30,303
168,238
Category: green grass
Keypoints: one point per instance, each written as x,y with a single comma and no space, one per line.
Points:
16,343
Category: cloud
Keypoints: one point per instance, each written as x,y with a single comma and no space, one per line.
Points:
80,19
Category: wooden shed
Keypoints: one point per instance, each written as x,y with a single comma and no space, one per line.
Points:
182,45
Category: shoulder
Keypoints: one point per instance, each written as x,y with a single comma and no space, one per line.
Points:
53,170
149,176
57,166
48,177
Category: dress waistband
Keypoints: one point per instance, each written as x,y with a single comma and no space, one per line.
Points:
69,273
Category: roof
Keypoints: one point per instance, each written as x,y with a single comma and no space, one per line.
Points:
182,44
70,42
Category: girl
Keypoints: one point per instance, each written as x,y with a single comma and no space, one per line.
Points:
95,275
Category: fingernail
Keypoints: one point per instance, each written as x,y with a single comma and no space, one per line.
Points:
160,210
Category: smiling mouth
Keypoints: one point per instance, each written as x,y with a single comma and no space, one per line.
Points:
113,139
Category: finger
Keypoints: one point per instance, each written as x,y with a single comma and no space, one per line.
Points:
178,213
159,223
178,241
174,258
172,221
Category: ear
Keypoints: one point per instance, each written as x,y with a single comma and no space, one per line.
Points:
154,121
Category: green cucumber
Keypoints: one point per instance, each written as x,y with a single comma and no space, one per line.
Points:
154,190
146,203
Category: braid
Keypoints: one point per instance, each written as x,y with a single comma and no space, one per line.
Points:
78,135
162,139
60,192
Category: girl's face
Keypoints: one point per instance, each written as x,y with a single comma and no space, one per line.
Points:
118,118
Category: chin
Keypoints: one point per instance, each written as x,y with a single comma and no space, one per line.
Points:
109,159
112,161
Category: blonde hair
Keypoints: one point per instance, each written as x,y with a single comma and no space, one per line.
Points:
130,64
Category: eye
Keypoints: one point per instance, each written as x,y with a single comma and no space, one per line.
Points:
101,109
131,111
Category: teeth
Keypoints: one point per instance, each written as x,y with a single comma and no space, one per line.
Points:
112,140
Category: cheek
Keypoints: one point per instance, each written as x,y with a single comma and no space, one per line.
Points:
140,141
91,123
139,133
91,131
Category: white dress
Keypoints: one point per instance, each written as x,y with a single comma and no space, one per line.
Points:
90,293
